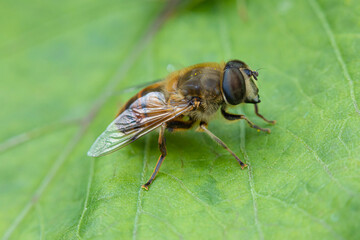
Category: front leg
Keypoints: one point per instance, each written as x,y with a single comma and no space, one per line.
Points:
261,116
232,117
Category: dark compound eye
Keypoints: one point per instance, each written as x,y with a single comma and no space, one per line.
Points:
235,64
233,86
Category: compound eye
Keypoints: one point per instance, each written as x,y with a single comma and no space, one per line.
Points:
233,86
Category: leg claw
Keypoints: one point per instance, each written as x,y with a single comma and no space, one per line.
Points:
244,166
273,122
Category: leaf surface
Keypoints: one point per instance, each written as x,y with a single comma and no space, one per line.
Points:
63,69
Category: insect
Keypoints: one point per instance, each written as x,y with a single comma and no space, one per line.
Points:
185,98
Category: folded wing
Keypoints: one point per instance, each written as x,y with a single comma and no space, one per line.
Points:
142,116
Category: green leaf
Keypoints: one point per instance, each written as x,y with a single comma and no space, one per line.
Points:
64,66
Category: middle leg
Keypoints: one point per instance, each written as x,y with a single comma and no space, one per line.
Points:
176,125
203,126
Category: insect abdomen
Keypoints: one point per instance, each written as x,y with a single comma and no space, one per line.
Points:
157,87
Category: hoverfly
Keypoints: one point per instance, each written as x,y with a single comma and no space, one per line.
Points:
185,98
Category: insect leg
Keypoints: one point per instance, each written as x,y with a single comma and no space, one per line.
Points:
261,116
179,125
162,148
232,117
203,126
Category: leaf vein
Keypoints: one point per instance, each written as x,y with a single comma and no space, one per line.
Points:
167,223
39,191
303,211
187,190
340,137
141,191
34,133
138,47
251,180
325,24
323,164
91,174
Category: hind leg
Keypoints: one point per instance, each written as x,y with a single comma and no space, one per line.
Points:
162,147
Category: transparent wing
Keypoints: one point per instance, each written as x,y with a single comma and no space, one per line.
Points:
142,116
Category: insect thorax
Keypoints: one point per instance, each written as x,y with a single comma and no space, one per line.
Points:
203,83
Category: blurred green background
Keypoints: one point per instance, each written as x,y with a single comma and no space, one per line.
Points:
66,67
